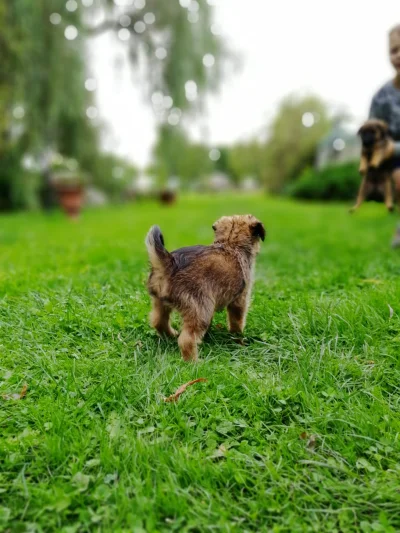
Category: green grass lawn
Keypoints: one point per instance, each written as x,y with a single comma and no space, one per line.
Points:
297,430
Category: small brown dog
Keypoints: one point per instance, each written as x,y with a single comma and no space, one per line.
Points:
199,280
375,169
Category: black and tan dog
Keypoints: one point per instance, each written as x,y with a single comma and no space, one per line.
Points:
199,280
375,169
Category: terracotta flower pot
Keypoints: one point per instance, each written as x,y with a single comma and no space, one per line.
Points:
71,199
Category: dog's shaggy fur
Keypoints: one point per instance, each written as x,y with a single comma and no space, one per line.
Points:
377,181
199,280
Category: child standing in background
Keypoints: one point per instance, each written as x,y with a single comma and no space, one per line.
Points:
386,106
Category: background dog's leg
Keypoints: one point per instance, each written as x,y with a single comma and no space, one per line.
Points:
159,318
195,324
388,193
237,312
361,195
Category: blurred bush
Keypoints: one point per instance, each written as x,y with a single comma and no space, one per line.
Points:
337,182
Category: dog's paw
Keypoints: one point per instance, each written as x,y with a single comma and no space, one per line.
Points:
390,208
352,210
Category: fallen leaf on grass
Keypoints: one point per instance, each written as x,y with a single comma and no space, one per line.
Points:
372,281
311,440
363,464
16,396
114,425
81,481
219,453
390,312
174,397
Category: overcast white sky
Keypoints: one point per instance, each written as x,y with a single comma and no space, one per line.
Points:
336,49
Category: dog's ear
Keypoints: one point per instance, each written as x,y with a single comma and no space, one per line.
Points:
258,230
218,223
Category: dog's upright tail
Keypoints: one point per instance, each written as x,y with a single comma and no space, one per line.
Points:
160,259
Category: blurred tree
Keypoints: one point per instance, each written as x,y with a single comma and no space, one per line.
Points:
175,155
247,159
44,88
298,127
176,40
43,101
183,59
222,164
114,175
294,135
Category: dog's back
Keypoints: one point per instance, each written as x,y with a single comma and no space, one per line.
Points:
192,271
207,272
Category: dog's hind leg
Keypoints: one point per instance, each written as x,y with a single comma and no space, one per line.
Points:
159,318
237,311
195,324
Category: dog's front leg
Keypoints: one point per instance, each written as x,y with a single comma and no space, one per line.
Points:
363,165
388,193
196,321
360,196
237,312
377,158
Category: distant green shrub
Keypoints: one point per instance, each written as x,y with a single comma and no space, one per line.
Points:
336,182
